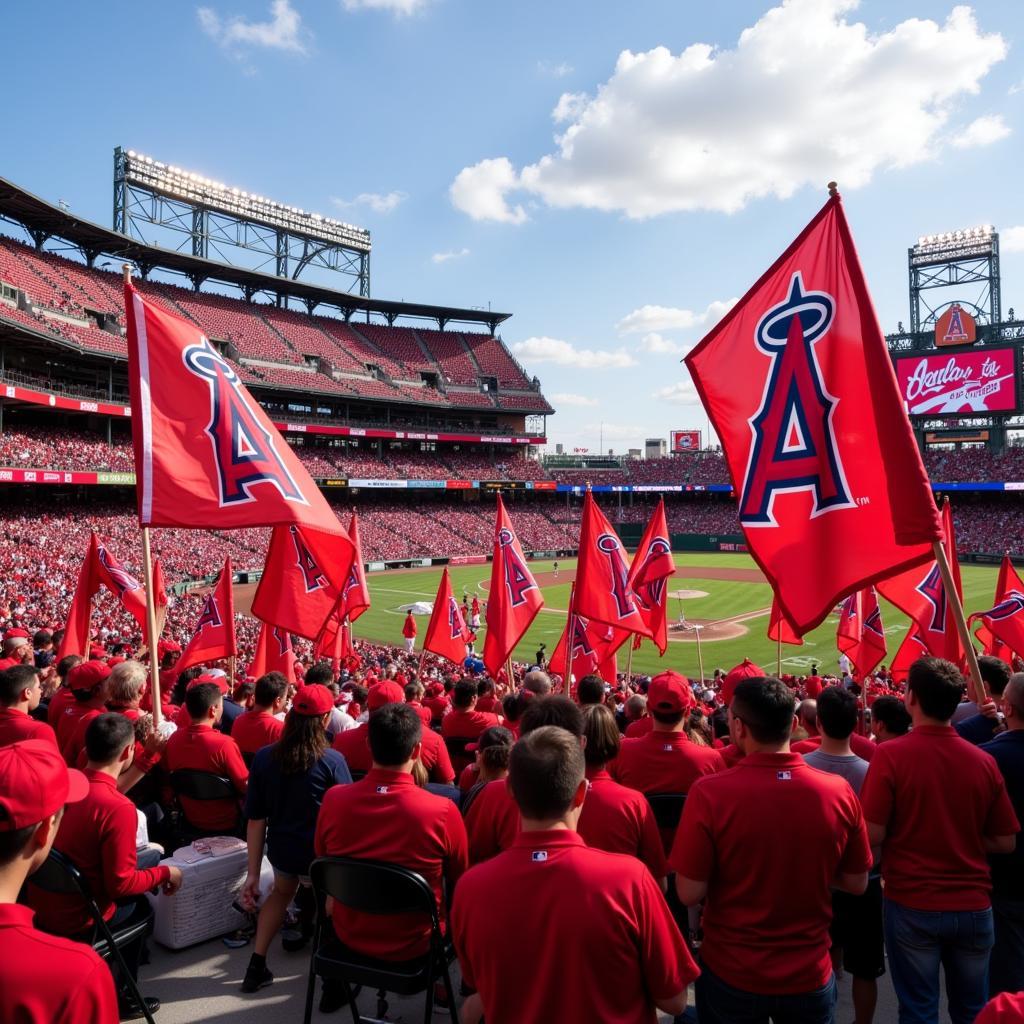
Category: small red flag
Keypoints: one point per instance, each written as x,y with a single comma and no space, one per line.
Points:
860,634
355,596
1002,626
514,599
206,454
273,653
594,647
447,633
214,635
797,380
338,647
159,599
779,624
649,572
912,648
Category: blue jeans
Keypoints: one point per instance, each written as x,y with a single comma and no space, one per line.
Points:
918,941
719,1003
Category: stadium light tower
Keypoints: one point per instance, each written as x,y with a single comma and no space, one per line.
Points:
218,220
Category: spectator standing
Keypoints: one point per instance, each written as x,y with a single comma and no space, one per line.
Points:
260,726
409,632
20,693
890,719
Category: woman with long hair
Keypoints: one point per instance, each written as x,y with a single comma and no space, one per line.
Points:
287,783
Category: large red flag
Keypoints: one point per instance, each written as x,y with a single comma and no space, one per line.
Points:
100,569
303,578
273,653
603,591
214,635
514,599
860,634
832,493
649,572
780,629
594,646
920,593
334,645
1002,626
1007,581
353,600
447,633
206,454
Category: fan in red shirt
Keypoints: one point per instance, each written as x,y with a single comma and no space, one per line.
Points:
20,693
766,941
937,806
464,722
409,632
44,979
90,689
260,727
628,958
202,747
414,698
438,701
63,698
387,817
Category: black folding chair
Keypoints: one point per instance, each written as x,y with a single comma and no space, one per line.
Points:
200,785
58,875
374,887
667,808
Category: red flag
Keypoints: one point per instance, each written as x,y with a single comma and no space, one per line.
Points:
779,624
860,635
273,653
800,388
1008,580
593,650
206,454
920,593
100,568
912,648
447,632
648,574
303,578
355,596
514,599
1002,626
159,599
603,591
335,646
214,635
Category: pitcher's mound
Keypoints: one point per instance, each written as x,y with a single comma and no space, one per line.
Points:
688,594
710,631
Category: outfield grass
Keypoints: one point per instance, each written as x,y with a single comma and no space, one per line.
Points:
389,591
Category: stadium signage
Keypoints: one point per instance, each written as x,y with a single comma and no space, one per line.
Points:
978,380
458,485
684,441
49,476
955,327
373,483
426,484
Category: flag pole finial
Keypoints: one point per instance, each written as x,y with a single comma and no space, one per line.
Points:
833,188
126,269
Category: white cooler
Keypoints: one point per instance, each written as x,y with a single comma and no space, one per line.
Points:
212,879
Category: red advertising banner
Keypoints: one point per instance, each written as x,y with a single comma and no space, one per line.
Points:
684,441
978,380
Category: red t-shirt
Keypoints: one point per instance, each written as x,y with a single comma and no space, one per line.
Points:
620,820
438,706
466,724
67,724
937,796
769,836
424,713
492,821
58,702
639,727
663,762
860,745
387,817
353,746
256,729
626,950
409,628
1006,1008
16,726
49,980
208,750
468,777
98,836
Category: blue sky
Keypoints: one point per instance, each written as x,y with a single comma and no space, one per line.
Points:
611,174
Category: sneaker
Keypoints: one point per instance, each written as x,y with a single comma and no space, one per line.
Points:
256,978
128,1009
296,938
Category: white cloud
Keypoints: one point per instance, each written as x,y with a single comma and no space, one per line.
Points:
559,70
452,254
283,32
562,353
670,318
1012,239
568,398
402,8
480,191
569,106
681,393
655,344
805,96
379,202
983,131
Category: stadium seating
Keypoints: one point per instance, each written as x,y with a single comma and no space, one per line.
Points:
448,350
495,361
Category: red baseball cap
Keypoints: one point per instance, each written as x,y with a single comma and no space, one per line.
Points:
87,675
670,692
313,700
221,682
97,651
746,669
35,783
384,693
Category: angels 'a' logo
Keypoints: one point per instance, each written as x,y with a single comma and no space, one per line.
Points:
243,448
1011,604
873,622
625,604
312,575
581,646
122,579
932,590
209,617
282,639
651,593
518,581
793,445
456,624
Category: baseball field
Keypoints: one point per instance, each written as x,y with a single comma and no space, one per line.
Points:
724,594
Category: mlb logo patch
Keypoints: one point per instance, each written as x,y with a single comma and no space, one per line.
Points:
668,746
783,776
382,789
539,855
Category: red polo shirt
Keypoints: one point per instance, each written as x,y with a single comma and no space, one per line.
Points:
425,716
769,836
48,980
15,726
938,797
98,835
488,704
58,702
387,817
438,706
626,951
860,745
255,729
663,762
466,725
620,820
68,722
1006,1008
639,727
492,822
206,749
353,744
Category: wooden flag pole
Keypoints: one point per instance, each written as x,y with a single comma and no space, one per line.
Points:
629,662
419,668
980,689
778,652
700,656
509,679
